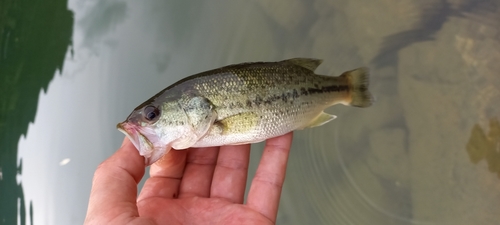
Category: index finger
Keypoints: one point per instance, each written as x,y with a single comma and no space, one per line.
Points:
265,191
114,187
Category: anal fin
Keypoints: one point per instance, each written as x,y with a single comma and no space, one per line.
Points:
321,119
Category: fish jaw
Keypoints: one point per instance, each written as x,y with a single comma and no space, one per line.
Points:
156,155
130,132
145,141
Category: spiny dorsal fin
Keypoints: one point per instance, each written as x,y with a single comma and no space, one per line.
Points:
308,63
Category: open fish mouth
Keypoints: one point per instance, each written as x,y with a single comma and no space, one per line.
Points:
142,143
130,133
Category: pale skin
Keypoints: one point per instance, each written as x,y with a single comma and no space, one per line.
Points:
194,186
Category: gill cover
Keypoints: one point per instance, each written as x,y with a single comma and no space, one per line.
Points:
201,116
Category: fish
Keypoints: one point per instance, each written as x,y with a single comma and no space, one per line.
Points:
241,104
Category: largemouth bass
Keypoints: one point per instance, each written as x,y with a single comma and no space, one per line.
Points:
240,104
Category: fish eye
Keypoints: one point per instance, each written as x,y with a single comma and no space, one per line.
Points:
151,113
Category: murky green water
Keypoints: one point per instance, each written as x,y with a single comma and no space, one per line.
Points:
426,153
34,37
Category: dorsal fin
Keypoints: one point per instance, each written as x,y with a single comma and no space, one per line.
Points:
308,63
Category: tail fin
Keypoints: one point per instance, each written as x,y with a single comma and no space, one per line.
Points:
359,80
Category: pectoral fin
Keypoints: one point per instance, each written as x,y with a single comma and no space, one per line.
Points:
321,119
238,123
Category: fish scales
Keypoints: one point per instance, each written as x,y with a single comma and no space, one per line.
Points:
243,103
279,92
241,89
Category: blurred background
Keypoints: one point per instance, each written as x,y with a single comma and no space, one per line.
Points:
428,151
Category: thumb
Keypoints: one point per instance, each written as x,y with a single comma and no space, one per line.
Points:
114,187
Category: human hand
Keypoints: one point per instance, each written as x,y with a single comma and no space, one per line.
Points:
194,186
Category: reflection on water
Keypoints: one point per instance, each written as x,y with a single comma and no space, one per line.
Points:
405,160
103,19
482,146
34,40
429,19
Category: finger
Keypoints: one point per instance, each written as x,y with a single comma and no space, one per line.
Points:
265,191
230,175
165,176
114,187
200,164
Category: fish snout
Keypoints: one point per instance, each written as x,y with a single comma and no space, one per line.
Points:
131,132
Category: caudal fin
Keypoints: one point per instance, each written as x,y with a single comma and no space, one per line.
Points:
359,80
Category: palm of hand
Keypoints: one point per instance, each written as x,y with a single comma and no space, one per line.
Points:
197,186
196,210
